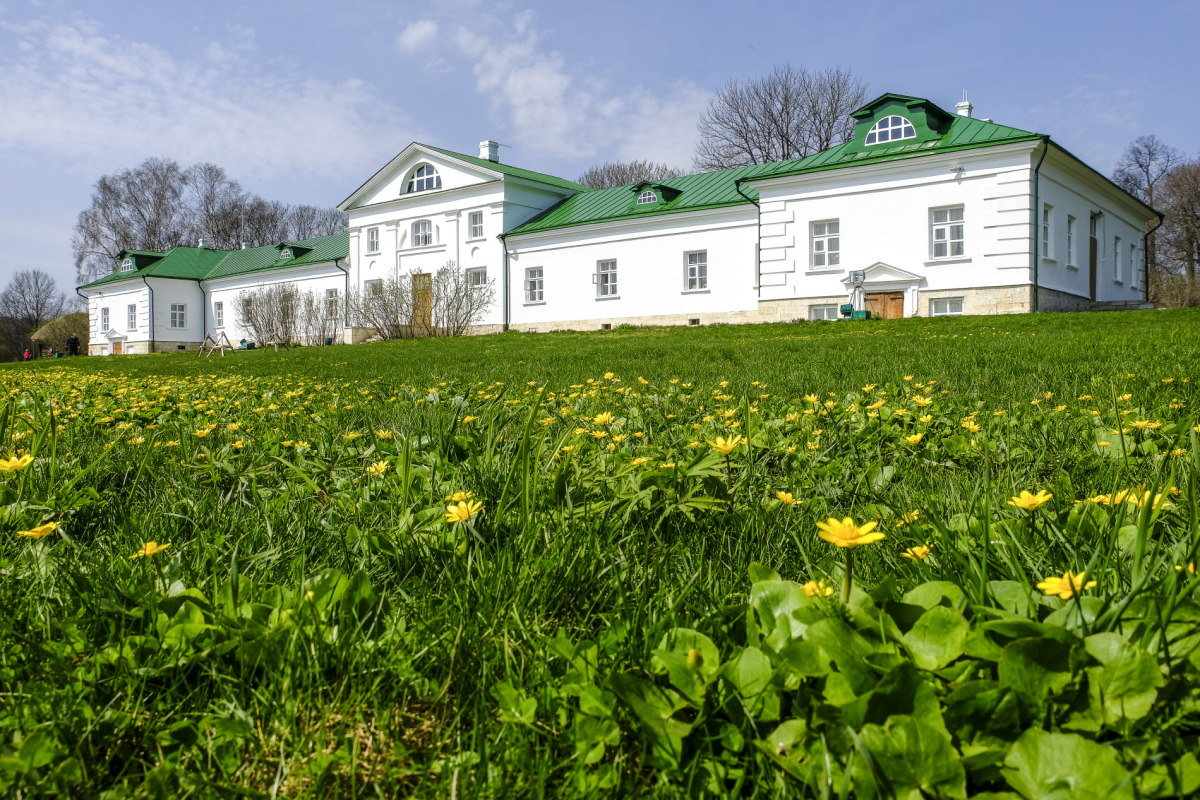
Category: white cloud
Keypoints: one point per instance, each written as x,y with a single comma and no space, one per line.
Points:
73,92
417,35
566,109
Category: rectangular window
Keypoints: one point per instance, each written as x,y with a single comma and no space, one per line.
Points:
1134,269
1116,258
1070,241
534,285
103,321
945,306
331,303
822,312
606,279
131,317
373,288
826,244
475,224
1047,242
372,240
422,233
477,277
946,232
696,276
219,314
178,315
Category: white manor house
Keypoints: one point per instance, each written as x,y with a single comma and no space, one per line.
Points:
920,213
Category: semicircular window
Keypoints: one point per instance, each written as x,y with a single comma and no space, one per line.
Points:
424,177
647,197
891,129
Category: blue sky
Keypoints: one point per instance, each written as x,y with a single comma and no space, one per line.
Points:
302,101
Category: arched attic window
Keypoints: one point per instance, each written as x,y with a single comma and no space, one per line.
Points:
424,178
891,129
647,197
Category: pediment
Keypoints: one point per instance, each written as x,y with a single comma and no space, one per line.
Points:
391,182
113,333
880,272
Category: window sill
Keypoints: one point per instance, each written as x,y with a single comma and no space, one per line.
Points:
470,239
1073,268
696,291
826,271
373,253
933,262
422,248
608,297
1118,283
535,303
1047,260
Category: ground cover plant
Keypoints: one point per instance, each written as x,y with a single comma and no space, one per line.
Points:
916,558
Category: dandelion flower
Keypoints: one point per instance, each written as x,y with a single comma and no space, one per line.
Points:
787,498
1030,502
725,446
463,511
915,438
918,553
1066,586
378,468
39,531
150,548
14,464
844,533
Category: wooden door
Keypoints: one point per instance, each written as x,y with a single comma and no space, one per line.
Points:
422,289
888,305
1093,255
117,348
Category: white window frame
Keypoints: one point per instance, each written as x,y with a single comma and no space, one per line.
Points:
476,277
127,265
104,320
1116,259
1047,231
131,317
178,315
695,271
891,128
424,178
332,309
824,312
475,225
647,197
372,240
1071,260
606,279
373,287
535,285
219,314
422,233
946,228
948,309
823,233
285,254
1134,276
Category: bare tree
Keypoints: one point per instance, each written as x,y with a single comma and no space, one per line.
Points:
1178,197
1143,167
309,222
415,305
625,173
30,300
455,304
271,313
386,305
788,113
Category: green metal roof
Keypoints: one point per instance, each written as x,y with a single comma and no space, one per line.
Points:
516,172
196,263
716,189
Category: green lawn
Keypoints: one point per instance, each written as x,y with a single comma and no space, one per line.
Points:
588,565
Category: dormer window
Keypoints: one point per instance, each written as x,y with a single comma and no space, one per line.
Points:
127,265
424,178
285,254
647,197
891,129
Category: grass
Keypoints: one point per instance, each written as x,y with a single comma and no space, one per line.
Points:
629,611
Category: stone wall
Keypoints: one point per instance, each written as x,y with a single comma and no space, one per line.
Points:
1054,300
984,300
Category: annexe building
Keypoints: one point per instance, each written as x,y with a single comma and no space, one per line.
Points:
921,213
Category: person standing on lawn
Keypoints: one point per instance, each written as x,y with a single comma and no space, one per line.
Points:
73,345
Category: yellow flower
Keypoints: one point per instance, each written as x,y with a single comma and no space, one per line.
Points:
468,420
787,498
1191,568
911,516
915,438
844,533
39,531
971,425
463,510
603,419
460,496
1066,586
667,465
637,462
202,432
817,589
14,464
302,444
351,436
918,553
138,440
150,548
1030,502
726,446
382,434
378,468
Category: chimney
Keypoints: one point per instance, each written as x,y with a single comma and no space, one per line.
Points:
243,247
489,150
202,242
963,107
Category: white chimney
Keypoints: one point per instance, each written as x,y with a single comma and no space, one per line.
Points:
202,242
489,150
963,107
243,247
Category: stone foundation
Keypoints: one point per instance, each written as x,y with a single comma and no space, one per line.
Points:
1054,300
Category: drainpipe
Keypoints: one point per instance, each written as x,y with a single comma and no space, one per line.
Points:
345,295
150,344
504,296
737,185
203,311
1035,219
1146,256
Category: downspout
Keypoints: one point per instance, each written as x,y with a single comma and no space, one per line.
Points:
737,185
1035,220
1146,256
504,296
203,311
150,345
345,299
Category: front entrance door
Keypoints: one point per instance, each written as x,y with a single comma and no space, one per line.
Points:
888,305
422,289
1093,254
117,348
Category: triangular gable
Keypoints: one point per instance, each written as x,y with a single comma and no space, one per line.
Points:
387,183
880,272
113,333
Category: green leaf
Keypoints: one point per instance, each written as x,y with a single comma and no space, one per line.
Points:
1065,766
1035,667
515,705
937,638
784,746
908,754
690,660
776,603
655,707
758,572
1126,684
750,673
934,593
1011,596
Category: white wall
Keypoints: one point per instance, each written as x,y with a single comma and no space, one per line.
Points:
167,292
229,291
650,255
117,298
